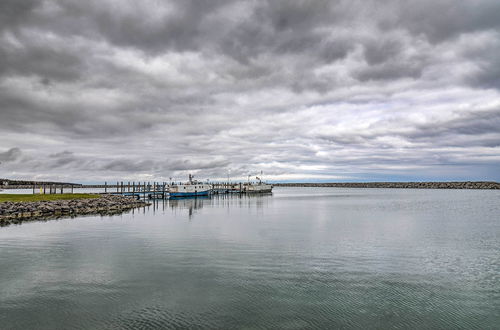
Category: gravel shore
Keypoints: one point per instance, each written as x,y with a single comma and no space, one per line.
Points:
16,212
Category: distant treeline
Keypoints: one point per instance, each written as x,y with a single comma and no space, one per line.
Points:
7,183
411,185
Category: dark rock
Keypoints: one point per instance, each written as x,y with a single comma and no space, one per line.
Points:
407,185
13,212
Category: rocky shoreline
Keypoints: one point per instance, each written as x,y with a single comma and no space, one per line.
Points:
407,185
16,212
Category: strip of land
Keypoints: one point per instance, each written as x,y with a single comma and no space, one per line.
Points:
42,197
407,185
28,184
15,209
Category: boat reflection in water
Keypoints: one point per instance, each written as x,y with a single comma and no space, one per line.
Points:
187,203
193,205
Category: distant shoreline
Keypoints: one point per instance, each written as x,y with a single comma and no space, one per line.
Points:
400,185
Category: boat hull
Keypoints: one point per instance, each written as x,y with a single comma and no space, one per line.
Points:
189,193
260,191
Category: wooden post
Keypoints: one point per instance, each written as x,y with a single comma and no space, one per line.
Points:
128,187
133,186
117,186
105,187
121,187
33,189
72,188
62,187
44,188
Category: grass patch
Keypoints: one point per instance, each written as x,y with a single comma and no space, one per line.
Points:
38,197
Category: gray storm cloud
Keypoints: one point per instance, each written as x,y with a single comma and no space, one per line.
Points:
302,90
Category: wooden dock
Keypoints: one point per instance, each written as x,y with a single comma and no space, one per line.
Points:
144,190
140,190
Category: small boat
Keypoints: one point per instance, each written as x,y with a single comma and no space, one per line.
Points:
259,187
189,189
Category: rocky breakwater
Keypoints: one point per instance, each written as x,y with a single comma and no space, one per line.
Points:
16,212
404,185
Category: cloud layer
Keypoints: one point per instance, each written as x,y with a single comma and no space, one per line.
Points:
303,90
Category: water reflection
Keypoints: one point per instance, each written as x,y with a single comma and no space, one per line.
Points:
193,205
300,258
241,200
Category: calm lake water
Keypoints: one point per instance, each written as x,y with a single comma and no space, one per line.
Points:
299,258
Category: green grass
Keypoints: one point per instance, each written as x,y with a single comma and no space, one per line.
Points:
38,197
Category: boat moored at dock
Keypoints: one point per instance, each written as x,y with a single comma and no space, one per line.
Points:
258,187
189,189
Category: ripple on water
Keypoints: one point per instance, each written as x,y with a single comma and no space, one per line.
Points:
331,259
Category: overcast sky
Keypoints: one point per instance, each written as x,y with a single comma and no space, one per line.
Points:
100,90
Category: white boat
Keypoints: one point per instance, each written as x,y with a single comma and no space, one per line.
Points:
189,189
259,187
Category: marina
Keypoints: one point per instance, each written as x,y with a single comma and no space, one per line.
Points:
249,165
157,190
